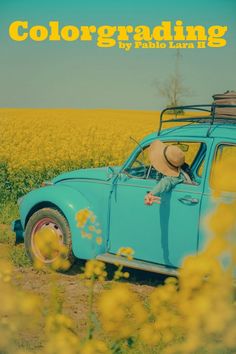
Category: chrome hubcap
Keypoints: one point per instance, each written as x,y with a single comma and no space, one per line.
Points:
46,240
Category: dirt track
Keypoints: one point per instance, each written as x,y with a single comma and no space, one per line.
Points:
72,290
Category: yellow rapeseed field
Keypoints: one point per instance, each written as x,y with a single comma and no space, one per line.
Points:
40,143
44,138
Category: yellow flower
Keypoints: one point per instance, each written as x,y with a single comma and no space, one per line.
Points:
121,312
95,346
82,217
62,341
149,334
94,269
85,234
99,240
57,322
127,252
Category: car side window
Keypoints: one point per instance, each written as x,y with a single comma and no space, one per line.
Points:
225,153
194,157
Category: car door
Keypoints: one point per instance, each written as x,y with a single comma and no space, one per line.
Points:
162,234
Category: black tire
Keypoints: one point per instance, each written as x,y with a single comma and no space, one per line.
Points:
61,224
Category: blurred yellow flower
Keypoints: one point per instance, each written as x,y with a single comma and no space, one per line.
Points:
127,252
121,312
99,240
82,217
95,346
94,269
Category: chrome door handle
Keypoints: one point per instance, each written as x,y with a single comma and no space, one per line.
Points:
189,200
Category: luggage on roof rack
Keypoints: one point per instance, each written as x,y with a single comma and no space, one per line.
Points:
226,100
221,111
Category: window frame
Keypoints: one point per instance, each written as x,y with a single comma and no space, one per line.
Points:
133,160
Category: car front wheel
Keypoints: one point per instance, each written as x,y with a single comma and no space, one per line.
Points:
48,239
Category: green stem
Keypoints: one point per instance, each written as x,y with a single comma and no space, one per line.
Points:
119,269
116,347
90,310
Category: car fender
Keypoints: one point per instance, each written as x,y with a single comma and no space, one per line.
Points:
69,202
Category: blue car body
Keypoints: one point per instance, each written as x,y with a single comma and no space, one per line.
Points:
160,235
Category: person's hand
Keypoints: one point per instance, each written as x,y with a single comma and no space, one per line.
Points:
150,199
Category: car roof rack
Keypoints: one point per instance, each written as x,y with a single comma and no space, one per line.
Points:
209,108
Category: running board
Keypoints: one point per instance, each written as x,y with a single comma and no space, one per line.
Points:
136,264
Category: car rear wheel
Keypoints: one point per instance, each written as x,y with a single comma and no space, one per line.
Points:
48,239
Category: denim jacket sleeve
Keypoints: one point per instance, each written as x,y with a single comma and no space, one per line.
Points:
166,184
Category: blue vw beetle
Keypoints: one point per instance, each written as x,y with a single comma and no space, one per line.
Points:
160,235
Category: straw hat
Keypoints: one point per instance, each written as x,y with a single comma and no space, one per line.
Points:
166,159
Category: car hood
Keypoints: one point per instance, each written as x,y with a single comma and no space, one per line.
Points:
101,173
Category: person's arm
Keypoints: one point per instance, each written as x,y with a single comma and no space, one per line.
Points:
163,186
166,184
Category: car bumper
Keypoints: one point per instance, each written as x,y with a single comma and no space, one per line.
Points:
16,227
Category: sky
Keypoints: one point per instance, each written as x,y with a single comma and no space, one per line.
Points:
81,75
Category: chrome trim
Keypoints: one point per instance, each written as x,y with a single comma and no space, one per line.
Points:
84,180
176,190
138,264
133,185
